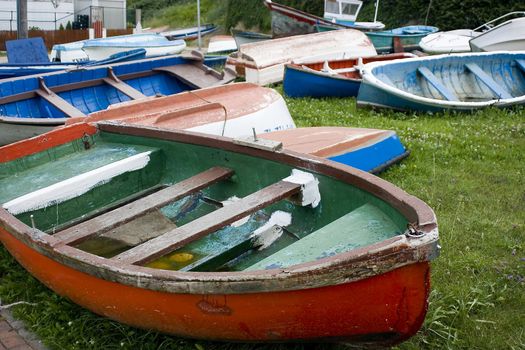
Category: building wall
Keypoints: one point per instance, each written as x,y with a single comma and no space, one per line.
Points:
43,15
40,14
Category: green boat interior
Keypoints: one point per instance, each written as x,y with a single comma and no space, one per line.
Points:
177,206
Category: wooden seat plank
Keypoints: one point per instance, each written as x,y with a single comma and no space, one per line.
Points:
488,81
206,224
195,75
57,101
118,84
119,216
433,80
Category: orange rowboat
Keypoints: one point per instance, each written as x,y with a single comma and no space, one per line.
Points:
200,237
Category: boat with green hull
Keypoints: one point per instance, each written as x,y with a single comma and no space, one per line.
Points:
214,238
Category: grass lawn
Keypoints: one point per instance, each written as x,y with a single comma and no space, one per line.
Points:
469,167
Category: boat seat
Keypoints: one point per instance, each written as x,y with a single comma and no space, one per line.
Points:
209,223
118,84
195,75
521,65
433,80
57,101
142,206
488,81
363,226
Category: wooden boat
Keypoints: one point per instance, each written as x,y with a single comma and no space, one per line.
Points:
154,44
453,82
189,34
242,37
337,78
369,150
263,62
288,21
508,36
221,44
400,39
30,105
202,237
216,110
20,70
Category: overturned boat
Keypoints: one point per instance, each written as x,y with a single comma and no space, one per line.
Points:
263,62
202,237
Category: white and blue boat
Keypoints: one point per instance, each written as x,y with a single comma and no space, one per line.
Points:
154,44
400,39
32,105
9,70
189,34
336,78
461,82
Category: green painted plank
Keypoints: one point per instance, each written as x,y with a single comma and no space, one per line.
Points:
361,227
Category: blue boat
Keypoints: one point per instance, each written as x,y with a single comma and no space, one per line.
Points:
9,70
189,34
337,78
400,39
460,82
32,105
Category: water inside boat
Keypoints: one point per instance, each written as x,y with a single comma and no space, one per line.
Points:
120,197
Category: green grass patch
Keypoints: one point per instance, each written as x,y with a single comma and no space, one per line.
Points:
468,167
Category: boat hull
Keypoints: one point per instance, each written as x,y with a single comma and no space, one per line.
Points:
453,41
508,36
387,308
384,40
12,132
103,52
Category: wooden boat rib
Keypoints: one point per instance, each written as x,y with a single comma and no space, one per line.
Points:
380,280
335,78
61,95
457,82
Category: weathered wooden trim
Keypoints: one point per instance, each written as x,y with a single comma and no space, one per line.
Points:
193,74
142,206
206,224
17,97
118,84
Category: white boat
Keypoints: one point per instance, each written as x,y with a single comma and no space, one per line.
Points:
263,62
221,44
154,44
216,110
345,12
69,53
507,34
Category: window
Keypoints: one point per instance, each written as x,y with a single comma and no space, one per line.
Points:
331,6
350,9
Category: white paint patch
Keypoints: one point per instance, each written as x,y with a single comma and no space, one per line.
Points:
239,222
309,187
75,186
272,230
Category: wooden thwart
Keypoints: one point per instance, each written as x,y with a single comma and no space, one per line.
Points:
488,81
119,216
118,84
195,75
57,101
434,81
206,224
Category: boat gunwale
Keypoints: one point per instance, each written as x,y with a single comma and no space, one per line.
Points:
370,78
342,268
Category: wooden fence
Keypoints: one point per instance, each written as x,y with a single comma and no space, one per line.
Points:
52,37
